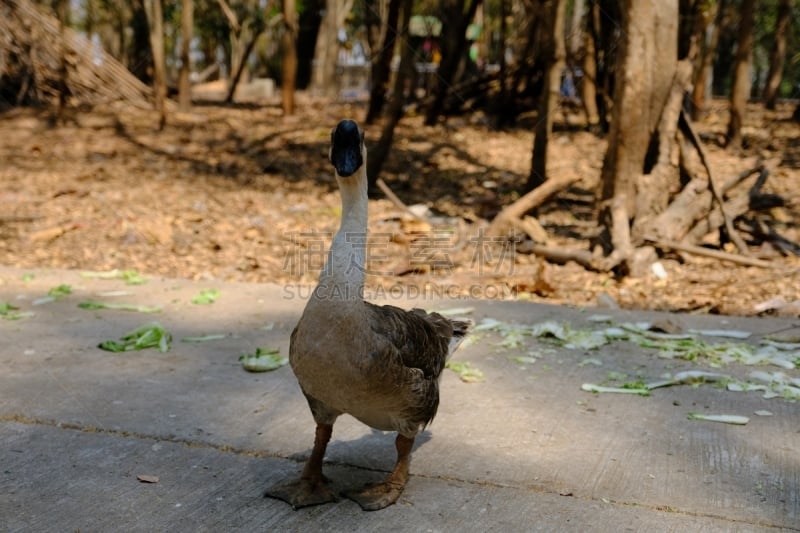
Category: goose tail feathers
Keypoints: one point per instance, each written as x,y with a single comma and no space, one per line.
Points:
460,330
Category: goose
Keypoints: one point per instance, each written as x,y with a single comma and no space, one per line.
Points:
379,364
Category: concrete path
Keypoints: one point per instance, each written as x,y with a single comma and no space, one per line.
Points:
524,450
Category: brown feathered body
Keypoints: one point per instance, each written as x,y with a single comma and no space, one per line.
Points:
380,364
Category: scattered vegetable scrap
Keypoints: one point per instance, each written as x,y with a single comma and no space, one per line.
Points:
11,312
119,307
689,377
263,360
466,372
671,343
131,277
111,294
773,384
206,296
205,338
148,336
730,333
725,419
514,334
523,359
56,293
641,391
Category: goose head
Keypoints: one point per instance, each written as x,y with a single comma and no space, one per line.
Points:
347,148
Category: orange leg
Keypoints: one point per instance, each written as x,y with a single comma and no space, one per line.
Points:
375,497
312,487
313,469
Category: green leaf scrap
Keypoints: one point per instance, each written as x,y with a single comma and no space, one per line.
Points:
56,293
628,388
466,372
513,335
725,419
119,307
7,308
206,296
150,335
263,360
11,312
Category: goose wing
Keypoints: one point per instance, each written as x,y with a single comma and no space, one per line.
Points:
423,340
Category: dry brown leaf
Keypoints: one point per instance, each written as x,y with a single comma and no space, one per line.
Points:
50,234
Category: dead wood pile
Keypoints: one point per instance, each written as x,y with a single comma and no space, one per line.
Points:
700,219
704,214
38,57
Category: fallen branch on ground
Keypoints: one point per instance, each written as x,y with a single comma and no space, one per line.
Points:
395,199
706,252
562,256
505,219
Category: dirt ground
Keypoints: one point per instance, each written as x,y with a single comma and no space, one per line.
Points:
245,194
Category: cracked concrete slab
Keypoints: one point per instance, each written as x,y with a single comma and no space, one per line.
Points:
524,450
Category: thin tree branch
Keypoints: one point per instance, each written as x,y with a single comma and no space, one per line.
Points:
230,14
688,130
395,199
529,201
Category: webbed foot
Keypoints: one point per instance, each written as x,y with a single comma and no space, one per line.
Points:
378,496
302,493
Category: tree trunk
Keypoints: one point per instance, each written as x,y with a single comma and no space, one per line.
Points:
708,49
381,62
606,22
63,14
589,82
553,54
653,186
453,42
576,28
309,21
778,55
138,56
499,109
691,24
374,17
289,67
184,83
645,74
155,20
395,111
326,52
741,74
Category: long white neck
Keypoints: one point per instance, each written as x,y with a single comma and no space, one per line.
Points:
343,275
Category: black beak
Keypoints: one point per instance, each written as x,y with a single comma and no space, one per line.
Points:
347,140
